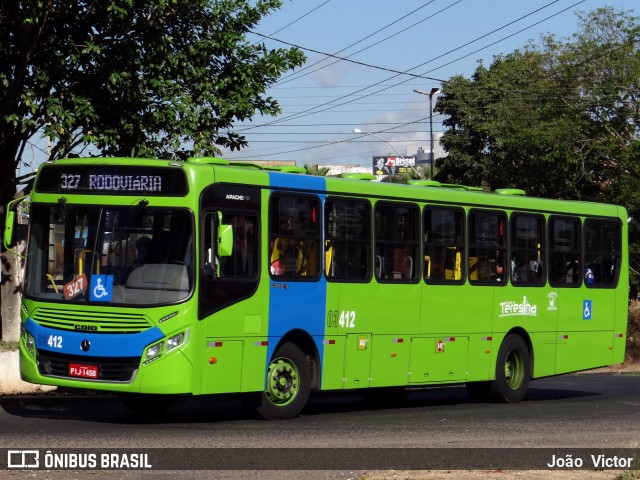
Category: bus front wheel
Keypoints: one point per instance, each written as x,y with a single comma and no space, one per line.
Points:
288,384
513,368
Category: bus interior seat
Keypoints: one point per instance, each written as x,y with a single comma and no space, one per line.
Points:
379,266
159,276
408,267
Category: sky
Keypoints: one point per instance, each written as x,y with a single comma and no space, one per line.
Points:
387,49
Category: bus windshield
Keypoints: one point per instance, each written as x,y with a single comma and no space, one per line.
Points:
118,255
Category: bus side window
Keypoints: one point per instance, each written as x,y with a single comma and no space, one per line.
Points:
565,248
603,248
294,237
527,249
487,247
348,240
443,245
396,242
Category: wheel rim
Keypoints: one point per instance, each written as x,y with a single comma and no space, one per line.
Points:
283,381
514,370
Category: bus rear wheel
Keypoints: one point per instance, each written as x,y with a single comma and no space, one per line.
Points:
513,369
288,384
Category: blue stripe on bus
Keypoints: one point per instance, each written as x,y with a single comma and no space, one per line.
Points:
297,303
102,344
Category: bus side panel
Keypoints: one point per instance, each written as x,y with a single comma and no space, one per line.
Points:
333,366
534,310
297,304
390,310
438,359
456,310
390,360
586,319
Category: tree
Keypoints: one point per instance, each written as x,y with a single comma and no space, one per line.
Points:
316,170
559,120
153,78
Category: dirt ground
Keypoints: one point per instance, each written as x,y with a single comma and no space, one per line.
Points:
502,475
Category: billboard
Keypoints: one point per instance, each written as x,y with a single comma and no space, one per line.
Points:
393,165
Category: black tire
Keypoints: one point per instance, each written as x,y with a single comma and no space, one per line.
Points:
288,384
480,391
147,404
513,370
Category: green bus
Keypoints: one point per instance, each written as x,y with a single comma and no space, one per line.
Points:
154,278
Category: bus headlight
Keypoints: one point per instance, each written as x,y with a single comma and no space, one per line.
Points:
155,350
30,343
176,341
28,340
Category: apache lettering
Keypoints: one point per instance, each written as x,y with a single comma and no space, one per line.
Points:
234,197
130,183
509,309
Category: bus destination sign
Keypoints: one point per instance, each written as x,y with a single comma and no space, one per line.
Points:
111,179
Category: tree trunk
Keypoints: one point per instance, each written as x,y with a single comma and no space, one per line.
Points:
12,274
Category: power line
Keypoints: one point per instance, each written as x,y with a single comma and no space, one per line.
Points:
287,79
346,59
301,17
315,110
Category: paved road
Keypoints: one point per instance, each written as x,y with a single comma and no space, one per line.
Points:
577,411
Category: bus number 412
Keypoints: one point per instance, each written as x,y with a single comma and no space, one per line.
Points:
54,341
344,319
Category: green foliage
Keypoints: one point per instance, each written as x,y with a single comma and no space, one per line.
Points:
316,170
558,120
125,78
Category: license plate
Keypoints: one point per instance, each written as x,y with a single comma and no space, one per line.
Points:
84,371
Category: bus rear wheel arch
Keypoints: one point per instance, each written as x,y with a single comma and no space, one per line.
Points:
512,374
288,384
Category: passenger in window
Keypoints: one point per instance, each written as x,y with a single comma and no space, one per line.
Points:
589,277
143,250
535,266
497,267
572,271
285,257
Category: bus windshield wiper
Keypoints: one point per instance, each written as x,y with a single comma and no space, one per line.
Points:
142,204
62,207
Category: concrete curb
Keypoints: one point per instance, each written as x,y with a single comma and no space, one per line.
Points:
10,382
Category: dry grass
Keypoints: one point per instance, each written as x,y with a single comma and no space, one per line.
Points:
633,334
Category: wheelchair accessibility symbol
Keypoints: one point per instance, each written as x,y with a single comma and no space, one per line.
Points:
587,310
101,288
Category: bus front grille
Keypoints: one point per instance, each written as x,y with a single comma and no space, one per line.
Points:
91,320
110,369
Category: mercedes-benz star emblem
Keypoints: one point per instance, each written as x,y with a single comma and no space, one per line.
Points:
85,345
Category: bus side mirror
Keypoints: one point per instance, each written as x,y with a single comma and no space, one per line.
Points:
225,240
10,221
8,228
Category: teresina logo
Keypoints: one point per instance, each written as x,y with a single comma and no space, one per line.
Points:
510,309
